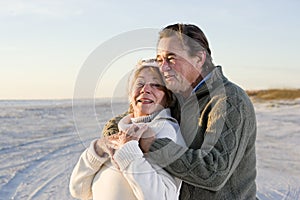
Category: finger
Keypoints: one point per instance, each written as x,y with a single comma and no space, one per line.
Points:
114,142
112,146
148,133
131,130
112,139
143,128
138,134
121,133
114,136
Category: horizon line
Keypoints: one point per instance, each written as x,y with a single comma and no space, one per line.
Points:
120,97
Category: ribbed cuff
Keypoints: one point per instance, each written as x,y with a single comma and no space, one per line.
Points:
94,159
127,153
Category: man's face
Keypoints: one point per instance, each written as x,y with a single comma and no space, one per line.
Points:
179,69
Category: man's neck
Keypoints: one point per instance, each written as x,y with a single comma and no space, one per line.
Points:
187,93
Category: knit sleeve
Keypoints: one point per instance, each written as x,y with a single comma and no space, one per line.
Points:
88,165
209,166
147,181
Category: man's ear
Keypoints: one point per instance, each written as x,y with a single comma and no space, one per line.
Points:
201,55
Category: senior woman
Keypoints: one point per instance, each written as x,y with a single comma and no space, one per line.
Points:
114,167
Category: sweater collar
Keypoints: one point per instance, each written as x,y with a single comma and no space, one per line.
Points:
202,82
145,119
215,80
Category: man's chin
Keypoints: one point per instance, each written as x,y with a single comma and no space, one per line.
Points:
174,89
179,90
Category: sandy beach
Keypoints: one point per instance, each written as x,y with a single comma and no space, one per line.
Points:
42,140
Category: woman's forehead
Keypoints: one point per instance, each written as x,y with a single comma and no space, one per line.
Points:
148,73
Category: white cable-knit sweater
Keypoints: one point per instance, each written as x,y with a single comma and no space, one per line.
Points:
95,177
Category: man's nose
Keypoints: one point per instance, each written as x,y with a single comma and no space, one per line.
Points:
165,66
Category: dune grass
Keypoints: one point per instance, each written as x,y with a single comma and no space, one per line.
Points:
275,94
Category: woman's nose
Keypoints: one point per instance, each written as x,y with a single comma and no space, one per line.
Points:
146,88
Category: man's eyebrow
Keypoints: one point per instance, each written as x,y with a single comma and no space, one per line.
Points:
168,54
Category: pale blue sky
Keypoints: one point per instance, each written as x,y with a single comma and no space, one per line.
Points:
45,43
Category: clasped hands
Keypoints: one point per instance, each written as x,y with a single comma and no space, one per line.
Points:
109,144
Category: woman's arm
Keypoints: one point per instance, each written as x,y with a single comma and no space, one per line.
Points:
90,162
148,181
84,171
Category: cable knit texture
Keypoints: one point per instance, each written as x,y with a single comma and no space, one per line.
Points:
219,126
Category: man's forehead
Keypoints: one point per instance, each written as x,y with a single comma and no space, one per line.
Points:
170,46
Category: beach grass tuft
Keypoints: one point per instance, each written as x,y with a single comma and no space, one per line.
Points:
274,94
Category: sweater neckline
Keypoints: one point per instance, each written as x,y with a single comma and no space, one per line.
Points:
144,119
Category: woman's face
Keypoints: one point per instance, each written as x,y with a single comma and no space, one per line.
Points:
147,95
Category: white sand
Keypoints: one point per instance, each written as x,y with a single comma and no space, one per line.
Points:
39,146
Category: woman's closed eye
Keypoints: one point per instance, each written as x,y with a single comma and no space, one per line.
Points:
156,85
140,85
152,85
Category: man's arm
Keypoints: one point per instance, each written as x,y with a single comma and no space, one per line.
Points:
111,127
225,142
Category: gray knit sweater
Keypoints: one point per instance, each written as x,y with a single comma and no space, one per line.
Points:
219,125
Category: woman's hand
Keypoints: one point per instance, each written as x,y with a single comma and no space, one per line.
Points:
132,133
104,147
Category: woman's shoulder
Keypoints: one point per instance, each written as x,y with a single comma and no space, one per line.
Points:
165,114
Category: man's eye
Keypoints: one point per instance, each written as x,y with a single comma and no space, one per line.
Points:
171,59
159,60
